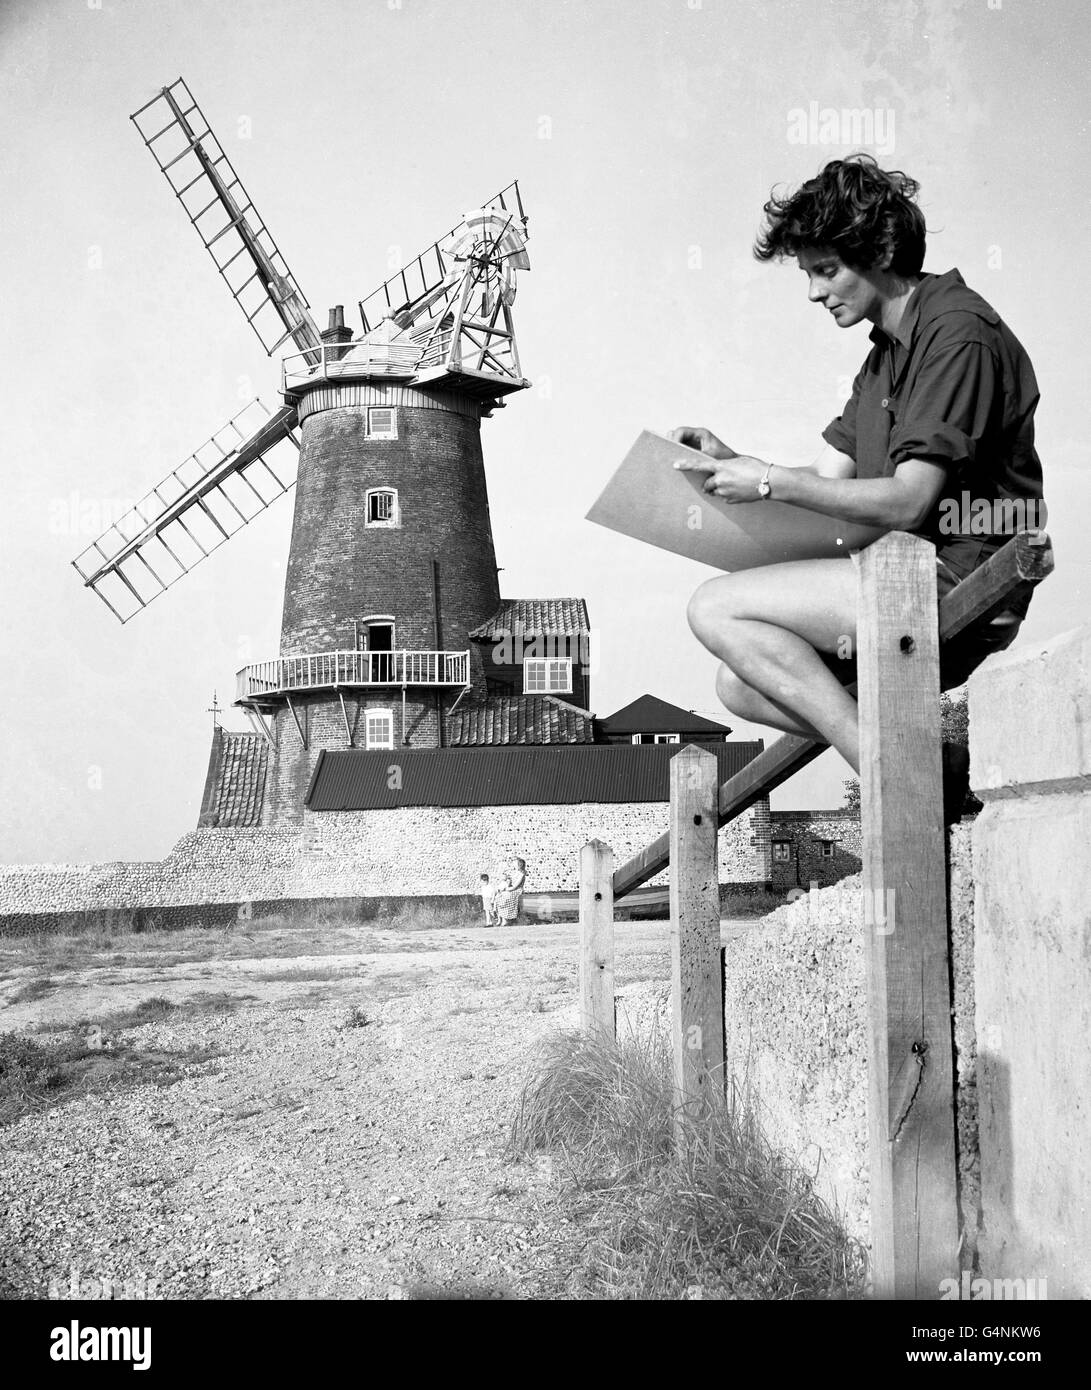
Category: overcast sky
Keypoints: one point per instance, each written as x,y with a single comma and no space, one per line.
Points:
646,135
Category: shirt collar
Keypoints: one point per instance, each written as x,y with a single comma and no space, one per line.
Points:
930,294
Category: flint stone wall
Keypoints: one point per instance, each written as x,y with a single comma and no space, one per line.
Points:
411,852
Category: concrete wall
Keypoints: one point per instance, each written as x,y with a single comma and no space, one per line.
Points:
796,1035
412,851
1030,751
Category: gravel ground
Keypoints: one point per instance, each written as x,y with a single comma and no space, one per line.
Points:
300,1156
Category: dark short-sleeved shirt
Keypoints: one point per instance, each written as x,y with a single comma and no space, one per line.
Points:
963,395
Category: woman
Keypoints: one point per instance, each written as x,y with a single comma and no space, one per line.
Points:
941,417
509,896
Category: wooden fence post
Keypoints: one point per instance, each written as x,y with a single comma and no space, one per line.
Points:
696,976
914,1221
597,939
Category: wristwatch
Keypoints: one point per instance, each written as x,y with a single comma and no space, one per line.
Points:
764,490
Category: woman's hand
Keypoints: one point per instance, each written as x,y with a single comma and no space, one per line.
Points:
697,437
734,479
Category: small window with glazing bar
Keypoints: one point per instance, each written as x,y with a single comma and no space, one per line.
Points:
545,677
382,506
382,422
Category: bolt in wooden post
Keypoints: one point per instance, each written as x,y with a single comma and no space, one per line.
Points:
597,939
696,974
914,1222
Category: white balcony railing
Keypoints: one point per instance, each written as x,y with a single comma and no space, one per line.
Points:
327,670
338,361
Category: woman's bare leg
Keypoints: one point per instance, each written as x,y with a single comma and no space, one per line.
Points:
743,700
767,626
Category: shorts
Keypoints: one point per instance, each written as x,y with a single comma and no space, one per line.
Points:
957,658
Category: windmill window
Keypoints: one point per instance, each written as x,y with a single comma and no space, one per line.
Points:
382,422
379,728
782,851
382,507
543,677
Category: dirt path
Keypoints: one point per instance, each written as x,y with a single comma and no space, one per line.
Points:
311,1154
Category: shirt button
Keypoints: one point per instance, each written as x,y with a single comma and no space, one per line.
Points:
886,401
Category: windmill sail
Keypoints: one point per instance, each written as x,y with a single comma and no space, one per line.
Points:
197,507
231,230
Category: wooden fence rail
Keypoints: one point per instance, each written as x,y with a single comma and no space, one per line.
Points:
911,1122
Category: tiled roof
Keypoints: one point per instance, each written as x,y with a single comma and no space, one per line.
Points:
240,786
562,617
501,720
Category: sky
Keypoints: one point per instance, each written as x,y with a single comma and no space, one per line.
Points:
646,135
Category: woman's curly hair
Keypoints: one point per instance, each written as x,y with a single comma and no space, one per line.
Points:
853,206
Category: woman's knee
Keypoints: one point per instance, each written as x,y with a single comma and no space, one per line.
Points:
734,693
710,608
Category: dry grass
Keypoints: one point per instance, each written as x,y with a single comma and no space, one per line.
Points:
412,916
156,1009
36,1074
324,930
34,990
751,904
715,1214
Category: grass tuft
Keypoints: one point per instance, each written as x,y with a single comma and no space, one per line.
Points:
751,904
35,1075
712,1213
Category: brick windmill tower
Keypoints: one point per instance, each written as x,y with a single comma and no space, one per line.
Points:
392,611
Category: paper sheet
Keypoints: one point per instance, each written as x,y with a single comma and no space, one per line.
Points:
652,501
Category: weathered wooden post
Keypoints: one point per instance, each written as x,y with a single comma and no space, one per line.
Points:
696,978
597,939
914,1221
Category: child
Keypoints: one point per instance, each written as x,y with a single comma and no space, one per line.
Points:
488,895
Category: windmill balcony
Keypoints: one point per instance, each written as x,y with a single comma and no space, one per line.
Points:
332,670
346,361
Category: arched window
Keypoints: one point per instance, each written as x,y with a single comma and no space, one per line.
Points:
381,505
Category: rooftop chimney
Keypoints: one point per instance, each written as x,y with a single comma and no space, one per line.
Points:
336,332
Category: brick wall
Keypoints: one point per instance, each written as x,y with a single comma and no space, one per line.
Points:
804,832
340,570
292,765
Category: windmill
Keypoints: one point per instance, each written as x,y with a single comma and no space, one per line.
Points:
391,563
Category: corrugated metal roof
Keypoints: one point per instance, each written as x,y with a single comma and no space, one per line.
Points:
560,617
651,715
241,786
359,780
519,719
